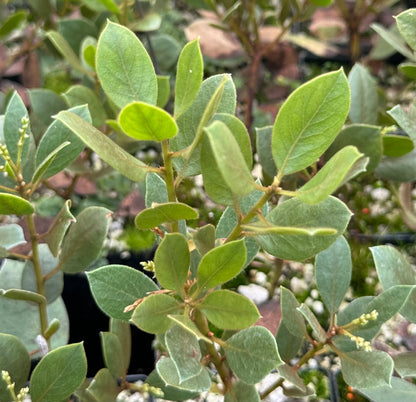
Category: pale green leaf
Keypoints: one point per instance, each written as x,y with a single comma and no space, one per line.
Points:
406,22
318,332
241,391
104,387
406,120
398,390
405,364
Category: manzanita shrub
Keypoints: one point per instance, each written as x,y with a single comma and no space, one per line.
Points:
207,334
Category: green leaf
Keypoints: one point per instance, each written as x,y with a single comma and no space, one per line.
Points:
163,90
184,350
84,240
14,205
291,317
81,95
23,295
124,68
264,150
152,314
309,121
318,331
123,332
393,269
330,213
56,135
321,3
172,260
12,22
14,359
364,96
291,374
11,235
110,5
221,264
330,177
405,364
66,51
74,30
186,323
204,239
216,95
168,373
146,122
408,69
164,213
398,390
189,76
333,268
147,23
252,354
397,145
104,387
170,393
107,149
224,169
115,287
401,169
289,345
366,369
58,228
229,310
87,52
58,374
406,120
394,40
241,391
156,191
406,22
113,353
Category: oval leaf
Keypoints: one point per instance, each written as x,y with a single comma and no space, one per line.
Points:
221,264
164,213
14,205
115,287
124,68
59,374
146,122
406,22
309,121
172,260
229,310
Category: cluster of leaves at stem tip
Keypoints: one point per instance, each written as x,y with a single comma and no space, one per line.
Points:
199,325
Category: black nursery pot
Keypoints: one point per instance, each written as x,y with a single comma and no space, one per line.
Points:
86,321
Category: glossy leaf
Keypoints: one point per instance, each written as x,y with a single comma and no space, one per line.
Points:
147,122
152,314
167,371
229,310
164,213
14,205
400,390
14,359
58,228
406,22
189,76
241,391
84,240
393,269
184,350
406,120
217,94
104,387
330,213
366,369
252,354
56,135
221,264
66,51
330,177
124,68
82,95
58,374
309,121
115,287
364,96
172,260
107,149
397,145
333,268
225,172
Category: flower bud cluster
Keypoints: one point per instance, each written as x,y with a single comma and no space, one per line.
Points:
148,266
363,319
361,343
10,386
157,392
